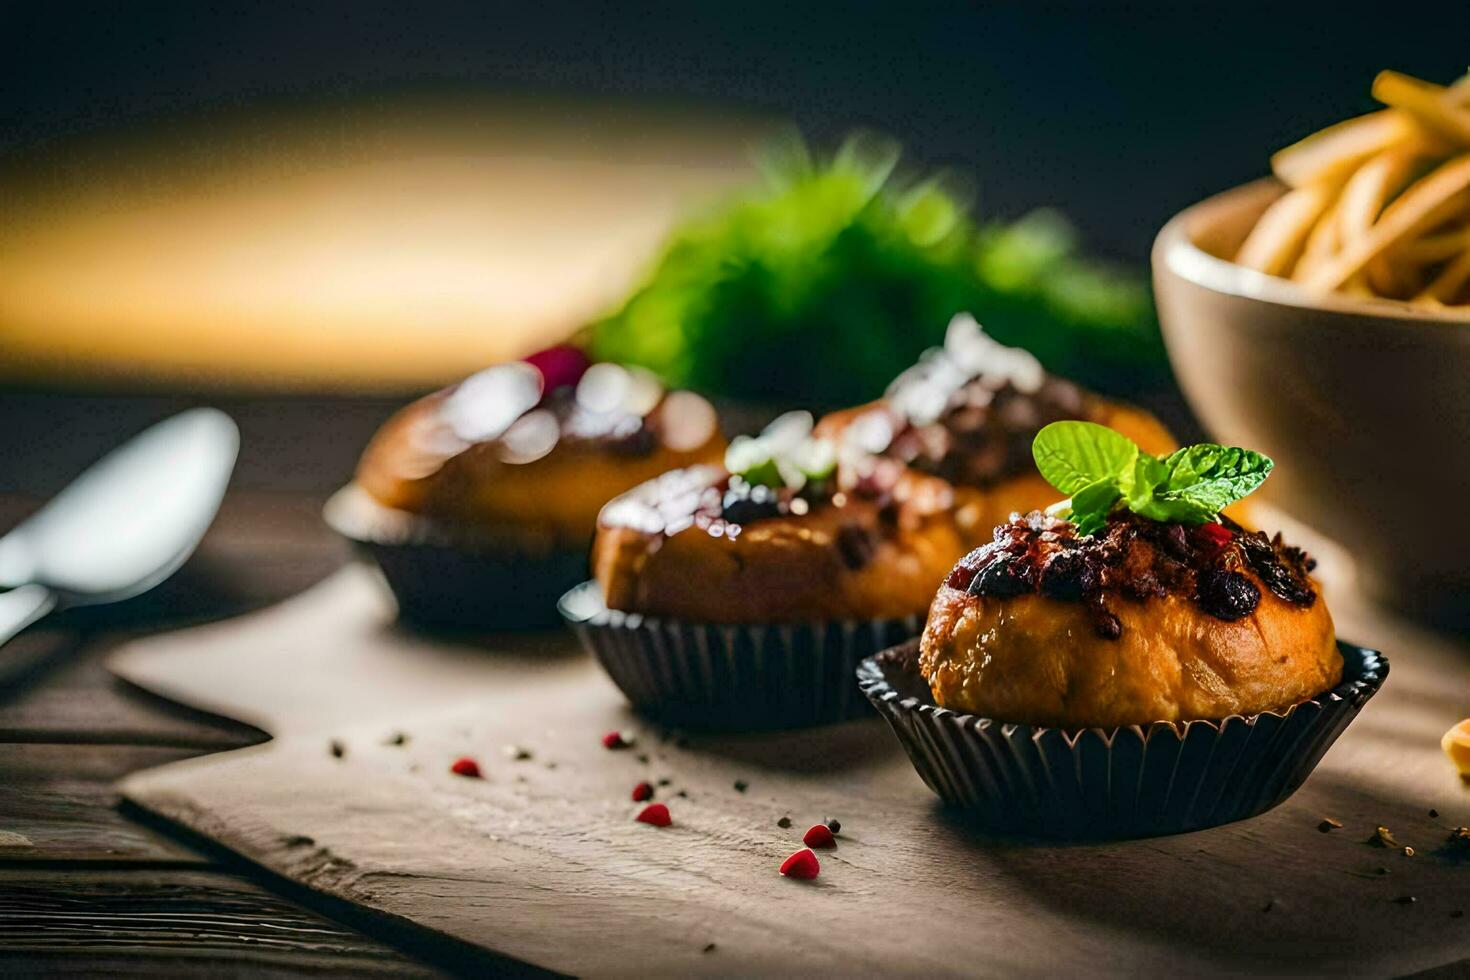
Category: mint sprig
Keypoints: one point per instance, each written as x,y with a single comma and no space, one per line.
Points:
1098,468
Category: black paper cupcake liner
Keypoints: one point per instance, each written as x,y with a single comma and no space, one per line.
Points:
447,579
1131,781
732,677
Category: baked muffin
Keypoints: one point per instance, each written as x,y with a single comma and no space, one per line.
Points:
1142,622
1130,662
537,446
744,595
967,412
479,501
705,545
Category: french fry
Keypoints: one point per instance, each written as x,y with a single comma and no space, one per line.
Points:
1324,242
1332,154
1377,206
1450,281
1368,190
1436,247
1433,105
1281,233
1428,201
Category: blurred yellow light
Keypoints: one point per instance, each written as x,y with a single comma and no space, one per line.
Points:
387,247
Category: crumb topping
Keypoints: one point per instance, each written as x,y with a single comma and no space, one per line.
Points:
1216,566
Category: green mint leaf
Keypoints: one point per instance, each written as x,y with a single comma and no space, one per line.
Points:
1148,473
1201,481
1072,456
1091,504
1096,467
1211,477
1242,470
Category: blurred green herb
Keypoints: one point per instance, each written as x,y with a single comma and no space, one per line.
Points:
823,283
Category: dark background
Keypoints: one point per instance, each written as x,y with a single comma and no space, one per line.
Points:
1119,113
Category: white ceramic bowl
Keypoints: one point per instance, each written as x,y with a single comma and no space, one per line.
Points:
1365,405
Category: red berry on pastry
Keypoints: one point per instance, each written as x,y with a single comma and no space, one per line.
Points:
803,864
465,766
643,791
561,366
656,814
1217,535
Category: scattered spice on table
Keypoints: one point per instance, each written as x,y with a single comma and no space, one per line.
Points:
1405,900
682,794
664,780
833,825
1457,913
741,786
642,792
709,947
1457,844
803,864
465,766
337,749
656,814
820,835
397,738
1383,837
1433,813
1269,905
1382,870
784,823
517,753
1328,825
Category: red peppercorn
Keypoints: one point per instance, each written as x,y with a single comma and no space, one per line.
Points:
819,836
1217,535
656,814
802,864
643,791
466,766
617,740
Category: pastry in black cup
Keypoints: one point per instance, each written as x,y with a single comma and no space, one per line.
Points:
1130,664
743,597
479,502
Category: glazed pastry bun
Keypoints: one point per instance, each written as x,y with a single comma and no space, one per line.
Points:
1144,622
778,535
536,446
967,412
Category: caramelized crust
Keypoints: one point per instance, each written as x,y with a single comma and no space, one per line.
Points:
1038,660
661,551
415,464
1018,488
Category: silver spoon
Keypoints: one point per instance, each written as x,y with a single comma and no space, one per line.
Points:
124,525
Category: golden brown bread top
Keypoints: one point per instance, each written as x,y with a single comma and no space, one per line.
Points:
1035,660
1144,622
500,455
665,550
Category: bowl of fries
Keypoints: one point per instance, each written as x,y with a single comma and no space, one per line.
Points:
1323,315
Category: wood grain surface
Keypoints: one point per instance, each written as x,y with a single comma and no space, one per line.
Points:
88,889
541,861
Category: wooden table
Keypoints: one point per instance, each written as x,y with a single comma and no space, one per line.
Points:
84,886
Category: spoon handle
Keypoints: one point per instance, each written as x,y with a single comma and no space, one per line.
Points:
21,607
